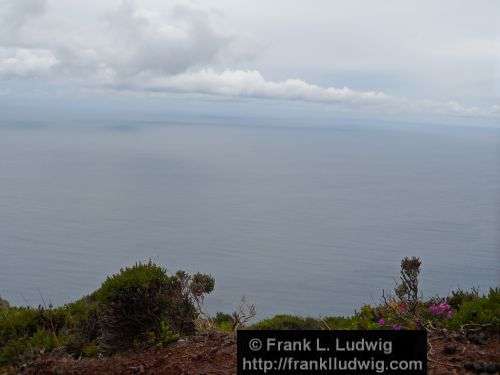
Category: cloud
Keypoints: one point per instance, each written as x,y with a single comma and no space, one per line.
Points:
25,62
180,50
15,14
148,41
17,57
127,41
251,84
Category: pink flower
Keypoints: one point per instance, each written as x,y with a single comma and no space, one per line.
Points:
397,327
441,310
381,321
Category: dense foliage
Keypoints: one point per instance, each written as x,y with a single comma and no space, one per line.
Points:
139,306
480,310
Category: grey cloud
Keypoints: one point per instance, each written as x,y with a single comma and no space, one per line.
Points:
146,41
17,57
179,50
128,41
14,14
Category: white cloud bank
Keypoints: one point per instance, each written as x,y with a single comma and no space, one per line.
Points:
136,49
251,84
25,62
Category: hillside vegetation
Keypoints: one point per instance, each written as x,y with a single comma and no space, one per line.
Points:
144,306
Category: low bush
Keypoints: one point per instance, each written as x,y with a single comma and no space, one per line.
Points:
224,322
459,297
364,319
143,305
26,332
83,325
483,310
140,306
292,322
185,300
132,306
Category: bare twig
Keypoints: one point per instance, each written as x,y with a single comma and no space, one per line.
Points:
244,314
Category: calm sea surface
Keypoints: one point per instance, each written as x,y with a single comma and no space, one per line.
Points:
299,220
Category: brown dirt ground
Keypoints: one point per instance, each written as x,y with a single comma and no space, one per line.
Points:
463,353
215,353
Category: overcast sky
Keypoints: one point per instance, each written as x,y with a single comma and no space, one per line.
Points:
402,59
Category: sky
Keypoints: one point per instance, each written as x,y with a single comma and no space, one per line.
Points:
413,60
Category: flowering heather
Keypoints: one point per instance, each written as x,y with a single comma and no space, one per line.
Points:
381,321
441,309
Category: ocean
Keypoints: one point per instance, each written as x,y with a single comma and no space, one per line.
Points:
298,219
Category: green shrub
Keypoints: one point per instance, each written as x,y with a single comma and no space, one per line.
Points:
140,306
200,284
181,310
83,327
340,322
14,351
83,318
27,347
17,322
136,305
25,332
167,335
364,319
132,306
292,322
224,322
89,350
482,310
459,296
141,276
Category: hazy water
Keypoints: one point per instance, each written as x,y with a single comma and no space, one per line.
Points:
299,220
